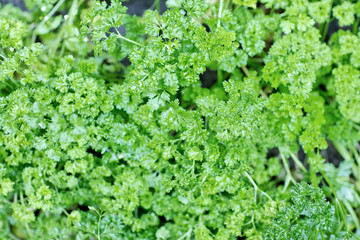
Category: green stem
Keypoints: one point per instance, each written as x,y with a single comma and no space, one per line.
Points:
297,161
220,76
2,56
356,155
287,169
126,39
325,31
256,187
356,26
73,9
46,18
272,10
342,150
338,204
98,227
329,183
321,27
12,236
314,180
340,207
227,4
220,12
158,5
352,213
246,71
263,94
256,60
187,234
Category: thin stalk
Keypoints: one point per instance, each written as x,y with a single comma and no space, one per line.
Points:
245,70
297,161
220,76
256,60
126,39
342,212
313,177
98,227
28,231
316,234
220,12
272,10
329,183
325,30
263,94
256,187
2,56
158,5
12,236
47,17
66,213
356,25
287,168
356,155
227,4
338,204
75,5
321,27
342,150
352,213
187,234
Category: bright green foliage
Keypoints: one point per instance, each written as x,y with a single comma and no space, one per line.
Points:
347,83
320,10
344,13
294,60
246,3
97,22
92,147
308,216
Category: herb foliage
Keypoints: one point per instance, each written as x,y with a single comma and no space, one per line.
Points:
94,148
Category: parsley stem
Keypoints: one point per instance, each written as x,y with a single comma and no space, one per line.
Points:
351,212
325,30
158,5
220,76
187,234
72,12
297,161
263,94
98,227
272,10
329,183
46,18
356,26
289,177
220,12
342,150
313,177
245,70
256,187
12,236
124,38
129,40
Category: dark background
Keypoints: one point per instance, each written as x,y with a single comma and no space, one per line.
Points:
137,7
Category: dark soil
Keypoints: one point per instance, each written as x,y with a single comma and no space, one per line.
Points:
136,7
18,3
